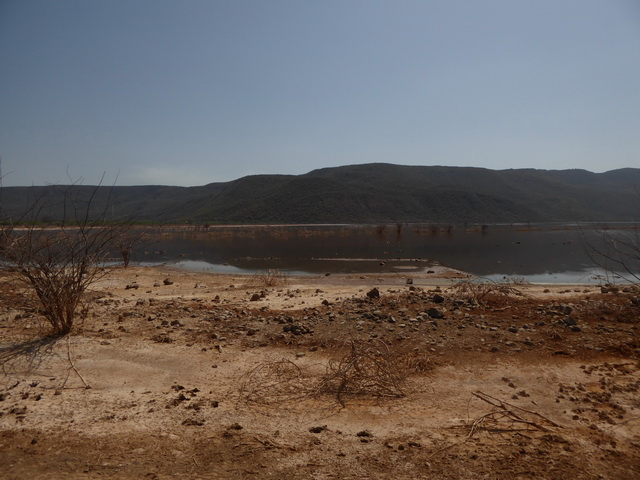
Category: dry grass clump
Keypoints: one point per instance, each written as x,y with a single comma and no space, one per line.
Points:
268,278
484,293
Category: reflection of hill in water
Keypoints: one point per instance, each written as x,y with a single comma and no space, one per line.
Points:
508,250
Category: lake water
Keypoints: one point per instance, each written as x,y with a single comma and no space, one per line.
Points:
537,253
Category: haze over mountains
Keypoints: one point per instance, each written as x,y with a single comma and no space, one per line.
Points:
370,193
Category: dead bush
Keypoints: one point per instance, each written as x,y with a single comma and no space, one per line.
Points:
367,369
484,293
364,369
60,262
619,307
268,278
275,382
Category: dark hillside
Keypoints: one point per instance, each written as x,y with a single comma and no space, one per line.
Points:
371,193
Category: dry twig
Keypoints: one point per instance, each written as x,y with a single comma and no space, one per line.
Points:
505,417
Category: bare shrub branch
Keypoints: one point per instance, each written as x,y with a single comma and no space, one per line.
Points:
367,369
616,251
482,293
60,262
275,382
268,278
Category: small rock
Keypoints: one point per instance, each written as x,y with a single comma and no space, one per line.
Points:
320,429
193,422
437,298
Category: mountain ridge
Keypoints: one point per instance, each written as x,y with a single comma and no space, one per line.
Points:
362,193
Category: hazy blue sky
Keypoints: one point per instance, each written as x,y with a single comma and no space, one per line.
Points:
188,92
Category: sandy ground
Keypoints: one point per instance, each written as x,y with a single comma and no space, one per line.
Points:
230,377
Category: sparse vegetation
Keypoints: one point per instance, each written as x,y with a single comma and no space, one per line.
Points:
366,369
268,278
59,263
618,253
483,293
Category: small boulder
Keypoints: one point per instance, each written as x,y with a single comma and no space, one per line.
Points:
437,298
373,293
435,313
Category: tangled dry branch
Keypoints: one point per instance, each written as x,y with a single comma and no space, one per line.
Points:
482,293
275,382
368,369
505,417
268,278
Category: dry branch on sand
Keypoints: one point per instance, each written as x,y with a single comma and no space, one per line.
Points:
506,417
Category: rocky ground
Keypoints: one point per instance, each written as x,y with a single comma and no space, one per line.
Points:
191,375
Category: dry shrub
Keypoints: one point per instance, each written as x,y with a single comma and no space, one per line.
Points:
268,278
484,293
417,361
275,382
364,370
367,369
618,307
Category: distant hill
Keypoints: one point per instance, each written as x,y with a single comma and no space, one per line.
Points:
370,193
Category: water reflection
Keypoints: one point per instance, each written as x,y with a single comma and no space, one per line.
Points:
544,253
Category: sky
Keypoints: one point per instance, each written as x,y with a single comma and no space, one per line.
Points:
190,92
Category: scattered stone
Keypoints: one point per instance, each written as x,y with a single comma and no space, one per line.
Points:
437,298
320,429
373,293
193,422
167,281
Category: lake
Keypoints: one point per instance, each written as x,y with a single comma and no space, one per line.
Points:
540,253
